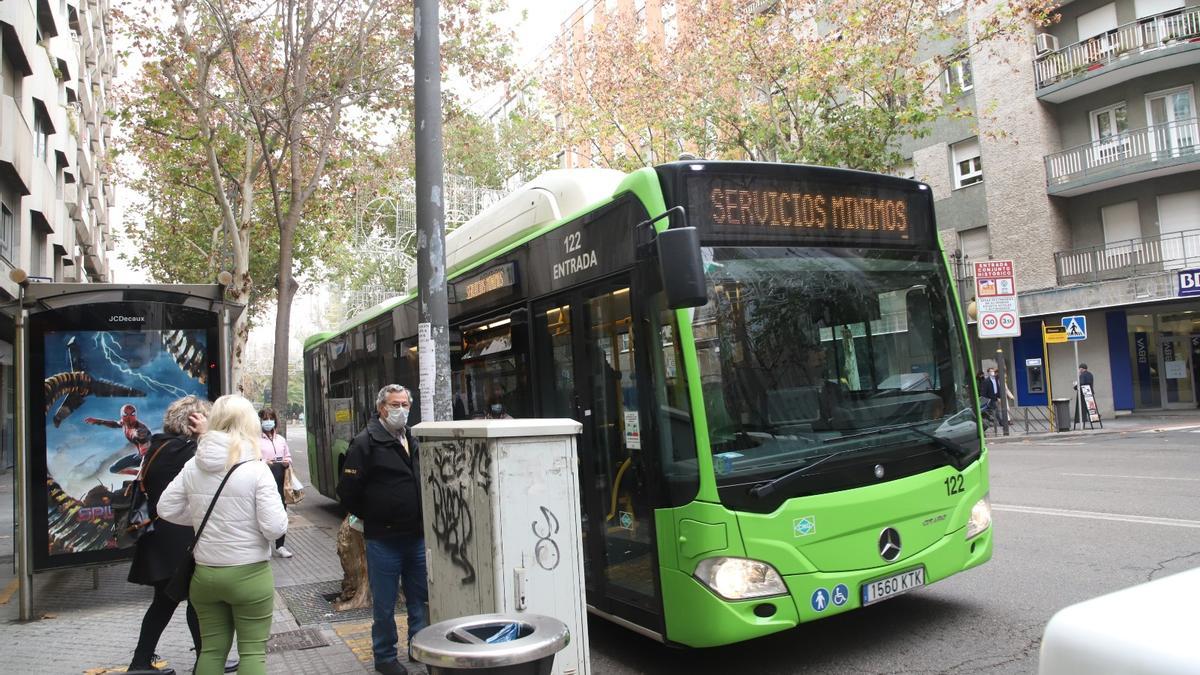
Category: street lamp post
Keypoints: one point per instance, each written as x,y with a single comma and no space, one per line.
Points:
433,331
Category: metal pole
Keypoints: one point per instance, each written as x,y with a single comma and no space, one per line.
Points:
1078,391
433,331
1002,368
1049,384
24,571
225,343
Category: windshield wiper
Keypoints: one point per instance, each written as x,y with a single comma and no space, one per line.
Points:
766,489
945,443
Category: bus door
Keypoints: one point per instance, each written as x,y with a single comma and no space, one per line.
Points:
586,371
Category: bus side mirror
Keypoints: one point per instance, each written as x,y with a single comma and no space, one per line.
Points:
682,268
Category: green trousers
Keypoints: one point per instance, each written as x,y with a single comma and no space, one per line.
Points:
228,600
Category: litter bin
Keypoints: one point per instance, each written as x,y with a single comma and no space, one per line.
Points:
491,644
1062,414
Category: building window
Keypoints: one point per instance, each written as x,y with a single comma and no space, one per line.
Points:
968,166
1173,116
957,77
975,245
41,132
1122,230
37,254
8,234
1108,132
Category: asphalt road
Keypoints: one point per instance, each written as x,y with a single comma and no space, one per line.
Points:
1074,519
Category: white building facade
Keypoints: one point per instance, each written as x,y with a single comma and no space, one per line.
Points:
56,189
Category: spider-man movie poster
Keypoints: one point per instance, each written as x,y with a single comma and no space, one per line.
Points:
105,393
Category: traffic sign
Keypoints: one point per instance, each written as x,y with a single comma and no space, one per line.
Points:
996,299
1055,334
1076,327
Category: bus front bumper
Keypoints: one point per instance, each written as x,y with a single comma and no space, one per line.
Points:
698,617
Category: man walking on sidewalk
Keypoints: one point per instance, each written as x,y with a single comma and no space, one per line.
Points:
380,483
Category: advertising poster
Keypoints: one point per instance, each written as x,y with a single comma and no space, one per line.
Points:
105,395
100,379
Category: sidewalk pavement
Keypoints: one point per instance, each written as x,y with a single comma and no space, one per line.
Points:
88,619
1150,422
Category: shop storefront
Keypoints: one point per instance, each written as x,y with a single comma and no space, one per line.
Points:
1164,351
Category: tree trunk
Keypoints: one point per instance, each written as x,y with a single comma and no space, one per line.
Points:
352,551
286,287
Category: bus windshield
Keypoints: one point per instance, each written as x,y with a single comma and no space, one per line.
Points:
808,355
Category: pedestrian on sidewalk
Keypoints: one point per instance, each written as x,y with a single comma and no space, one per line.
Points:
380,484
276,454
232,588
160,551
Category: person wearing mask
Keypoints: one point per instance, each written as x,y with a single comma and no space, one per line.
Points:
276,454
232,586
990,388
161,550
495,407
380,484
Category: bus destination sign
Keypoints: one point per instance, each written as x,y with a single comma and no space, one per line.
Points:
783,209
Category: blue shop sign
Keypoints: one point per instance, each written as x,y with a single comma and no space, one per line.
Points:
1189,283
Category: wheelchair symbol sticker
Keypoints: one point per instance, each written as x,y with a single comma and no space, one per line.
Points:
840,594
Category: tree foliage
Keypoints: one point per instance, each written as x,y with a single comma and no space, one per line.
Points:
835,82
248,116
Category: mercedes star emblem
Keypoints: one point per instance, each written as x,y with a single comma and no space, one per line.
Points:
889,544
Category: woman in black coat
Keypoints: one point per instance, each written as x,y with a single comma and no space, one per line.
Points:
160,551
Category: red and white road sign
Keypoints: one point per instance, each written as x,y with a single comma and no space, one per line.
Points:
996,299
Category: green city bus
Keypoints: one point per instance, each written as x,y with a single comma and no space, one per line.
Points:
795,437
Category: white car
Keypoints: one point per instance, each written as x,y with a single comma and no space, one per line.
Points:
1149,629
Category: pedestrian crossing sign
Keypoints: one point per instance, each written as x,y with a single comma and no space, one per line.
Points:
1076,327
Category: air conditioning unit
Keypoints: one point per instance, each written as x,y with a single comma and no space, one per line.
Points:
1046,43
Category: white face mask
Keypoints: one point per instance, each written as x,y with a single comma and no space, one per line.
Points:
268,425
397,417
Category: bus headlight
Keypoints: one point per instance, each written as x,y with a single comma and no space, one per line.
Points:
981,517
740,578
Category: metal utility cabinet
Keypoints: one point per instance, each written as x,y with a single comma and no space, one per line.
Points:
502,523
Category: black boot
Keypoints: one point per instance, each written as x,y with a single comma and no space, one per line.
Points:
145,666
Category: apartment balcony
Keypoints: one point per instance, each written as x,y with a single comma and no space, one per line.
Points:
1154,44
43,196
16,146
1131,156
71,199
86,168
1129,258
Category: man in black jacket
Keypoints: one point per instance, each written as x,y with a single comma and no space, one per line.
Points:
380,483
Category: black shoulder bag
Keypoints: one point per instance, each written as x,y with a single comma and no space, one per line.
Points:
177,586
132,511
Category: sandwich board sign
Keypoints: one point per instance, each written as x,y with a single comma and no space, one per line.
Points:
996,299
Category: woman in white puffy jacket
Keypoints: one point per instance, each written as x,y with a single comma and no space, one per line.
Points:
233,589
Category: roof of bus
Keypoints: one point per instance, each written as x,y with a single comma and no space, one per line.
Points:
551,197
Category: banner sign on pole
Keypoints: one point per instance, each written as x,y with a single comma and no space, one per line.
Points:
996,299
